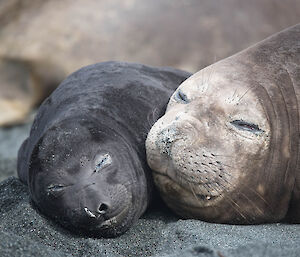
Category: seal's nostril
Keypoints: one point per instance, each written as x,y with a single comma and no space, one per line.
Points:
102,208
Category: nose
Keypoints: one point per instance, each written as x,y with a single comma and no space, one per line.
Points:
166,137
102,209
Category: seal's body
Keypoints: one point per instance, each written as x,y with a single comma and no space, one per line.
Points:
84,161
227,148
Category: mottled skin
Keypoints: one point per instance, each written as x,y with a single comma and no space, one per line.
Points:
84,161
46,40
227,148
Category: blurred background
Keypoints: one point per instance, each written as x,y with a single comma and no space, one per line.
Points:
42,41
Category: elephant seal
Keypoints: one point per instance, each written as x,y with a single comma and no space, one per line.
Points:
227,148
82,32
84,161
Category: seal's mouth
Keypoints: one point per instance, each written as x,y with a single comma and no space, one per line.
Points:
116,220
206,197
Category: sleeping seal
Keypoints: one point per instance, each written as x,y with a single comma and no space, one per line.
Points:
227,148
84,161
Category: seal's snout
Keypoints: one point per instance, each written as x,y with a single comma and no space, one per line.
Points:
166,138
182,129
101,210
103,207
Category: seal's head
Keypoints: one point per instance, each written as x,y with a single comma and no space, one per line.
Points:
215,151
87,178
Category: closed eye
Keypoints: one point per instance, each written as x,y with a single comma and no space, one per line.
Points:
103,162
56,190
181,97
243,125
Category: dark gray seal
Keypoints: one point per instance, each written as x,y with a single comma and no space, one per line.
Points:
84,161
227,149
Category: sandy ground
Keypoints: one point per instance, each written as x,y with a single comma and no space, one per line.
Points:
10,142
25,232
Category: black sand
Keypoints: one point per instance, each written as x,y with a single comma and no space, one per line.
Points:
10,141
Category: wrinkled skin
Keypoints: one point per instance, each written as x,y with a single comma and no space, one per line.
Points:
84,161
47,40
226,149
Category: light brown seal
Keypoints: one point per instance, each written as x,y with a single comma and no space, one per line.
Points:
43,41
227,148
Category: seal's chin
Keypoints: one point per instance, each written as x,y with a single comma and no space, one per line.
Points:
181,191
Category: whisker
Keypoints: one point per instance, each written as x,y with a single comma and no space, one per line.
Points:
212,70
246,92
222,155
237,208
232,98
251,201
227,165
258,194
193,192
251,189
234,205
